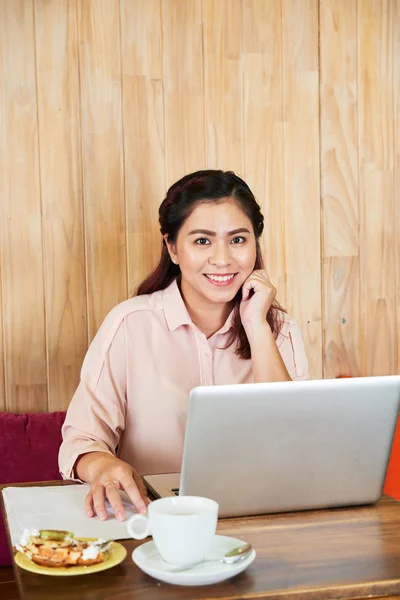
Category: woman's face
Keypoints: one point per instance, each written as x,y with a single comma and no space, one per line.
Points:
215,250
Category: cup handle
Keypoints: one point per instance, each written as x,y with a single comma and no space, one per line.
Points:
138,535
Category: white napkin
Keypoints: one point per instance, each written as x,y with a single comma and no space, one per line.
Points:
60,507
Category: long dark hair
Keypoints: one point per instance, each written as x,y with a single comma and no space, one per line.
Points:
181,199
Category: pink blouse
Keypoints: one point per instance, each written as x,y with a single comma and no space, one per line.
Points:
137,375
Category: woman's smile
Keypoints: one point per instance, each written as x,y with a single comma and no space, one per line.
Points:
223,279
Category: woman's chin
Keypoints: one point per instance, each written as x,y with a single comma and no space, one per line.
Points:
221,294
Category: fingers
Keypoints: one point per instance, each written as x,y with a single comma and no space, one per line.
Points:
256,278
109,490
98,500
112,476
95,501
141,487
250,284
136,496
88,507
261,275
114,498
246,290
266,274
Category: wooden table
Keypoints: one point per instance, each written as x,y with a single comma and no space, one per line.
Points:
318,555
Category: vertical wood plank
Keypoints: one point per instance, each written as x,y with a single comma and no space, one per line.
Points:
302,172
396,71
263,126
21,231
339,187
223,89
183,88
376,169
143,122
61,185
102,152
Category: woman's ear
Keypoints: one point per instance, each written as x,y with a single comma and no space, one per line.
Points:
171,250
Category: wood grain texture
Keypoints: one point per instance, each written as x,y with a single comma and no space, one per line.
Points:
339,187
223,85
263,127
302,172
9,591
315,555
183,88
6,576
376,177
102,153
21,230
61,190
143,116
341,316
101,115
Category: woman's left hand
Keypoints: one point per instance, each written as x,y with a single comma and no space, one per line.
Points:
254,309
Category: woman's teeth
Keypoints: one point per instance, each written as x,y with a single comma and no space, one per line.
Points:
220,277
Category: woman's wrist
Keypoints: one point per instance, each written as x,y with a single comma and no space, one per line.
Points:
87,465
259,334
267,363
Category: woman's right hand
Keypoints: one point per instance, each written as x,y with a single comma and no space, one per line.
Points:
108,475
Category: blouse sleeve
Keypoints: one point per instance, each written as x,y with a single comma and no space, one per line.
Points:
291,346
96,415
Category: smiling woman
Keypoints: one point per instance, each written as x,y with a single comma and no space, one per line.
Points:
206,315
214,261
210,209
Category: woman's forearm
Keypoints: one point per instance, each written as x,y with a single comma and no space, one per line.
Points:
267,363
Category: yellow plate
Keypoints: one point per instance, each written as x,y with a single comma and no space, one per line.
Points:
114,555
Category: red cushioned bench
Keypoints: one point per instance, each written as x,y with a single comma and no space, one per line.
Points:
29,445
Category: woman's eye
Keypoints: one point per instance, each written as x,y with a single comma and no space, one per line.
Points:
238,240
202,241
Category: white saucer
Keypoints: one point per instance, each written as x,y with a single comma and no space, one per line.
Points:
147,558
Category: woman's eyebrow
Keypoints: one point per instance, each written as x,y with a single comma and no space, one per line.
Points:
213,233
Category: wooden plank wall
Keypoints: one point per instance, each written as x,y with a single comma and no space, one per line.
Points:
105,103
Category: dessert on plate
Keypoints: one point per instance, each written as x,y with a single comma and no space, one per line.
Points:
54,548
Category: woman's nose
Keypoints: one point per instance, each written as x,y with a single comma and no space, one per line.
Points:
220,255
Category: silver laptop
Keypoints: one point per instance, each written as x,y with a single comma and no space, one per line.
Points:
276,447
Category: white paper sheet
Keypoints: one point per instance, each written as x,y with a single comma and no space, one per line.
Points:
59,507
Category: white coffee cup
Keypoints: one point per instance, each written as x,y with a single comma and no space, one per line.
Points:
182,527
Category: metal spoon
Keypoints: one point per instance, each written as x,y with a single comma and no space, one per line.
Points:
233,556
